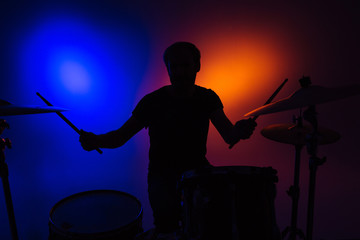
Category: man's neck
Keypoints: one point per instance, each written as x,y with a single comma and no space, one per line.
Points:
182,93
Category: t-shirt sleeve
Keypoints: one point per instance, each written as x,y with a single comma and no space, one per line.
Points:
142,111
214,102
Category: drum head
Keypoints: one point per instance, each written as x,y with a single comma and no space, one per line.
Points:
95,212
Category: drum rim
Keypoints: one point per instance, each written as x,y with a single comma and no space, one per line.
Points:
53,225
225,168
263,171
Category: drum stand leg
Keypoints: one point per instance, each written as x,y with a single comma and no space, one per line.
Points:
314,162
4,174
294,192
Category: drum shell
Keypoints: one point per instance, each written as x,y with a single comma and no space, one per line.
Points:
234,202
126,231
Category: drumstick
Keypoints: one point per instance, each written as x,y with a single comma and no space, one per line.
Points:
64,118
268,101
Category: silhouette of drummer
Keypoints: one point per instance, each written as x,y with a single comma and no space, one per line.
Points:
177,117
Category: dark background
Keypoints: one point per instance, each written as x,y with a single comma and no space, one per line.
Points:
98,58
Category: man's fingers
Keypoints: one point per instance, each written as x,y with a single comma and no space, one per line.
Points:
87,140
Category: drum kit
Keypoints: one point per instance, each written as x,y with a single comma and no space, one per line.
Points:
218,203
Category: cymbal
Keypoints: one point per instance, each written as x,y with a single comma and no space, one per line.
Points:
8,109
303,97
292,134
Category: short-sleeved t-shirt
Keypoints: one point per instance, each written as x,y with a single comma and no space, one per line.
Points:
178,128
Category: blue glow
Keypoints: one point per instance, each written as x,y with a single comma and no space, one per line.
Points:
93,70
66,57
75,77
82,66
75,72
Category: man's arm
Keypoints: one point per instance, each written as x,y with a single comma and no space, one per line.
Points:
231,134
89,141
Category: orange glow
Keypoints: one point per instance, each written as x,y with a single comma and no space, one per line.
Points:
240,69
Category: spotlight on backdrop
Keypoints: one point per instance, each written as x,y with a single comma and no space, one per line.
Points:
67,58
82,65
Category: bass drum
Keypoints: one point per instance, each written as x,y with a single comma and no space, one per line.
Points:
96,215
228,203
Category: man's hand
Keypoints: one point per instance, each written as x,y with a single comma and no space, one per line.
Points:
232,134
89,141
245,128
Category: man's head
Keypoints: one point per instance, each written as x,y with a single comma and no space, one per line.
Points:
182,60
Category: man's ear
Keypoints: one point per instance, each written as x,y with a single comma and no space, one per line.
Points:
197,66
167,68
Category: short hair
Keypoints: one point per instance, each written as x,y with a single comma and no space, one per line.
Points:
180,46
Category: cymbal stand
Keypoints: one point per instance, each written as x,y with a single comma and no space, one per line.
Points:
4,174
314,162
294,192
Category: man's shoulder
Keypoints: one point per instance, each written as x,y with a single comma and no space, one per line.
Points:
204,91
157,93
208,96
145,105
